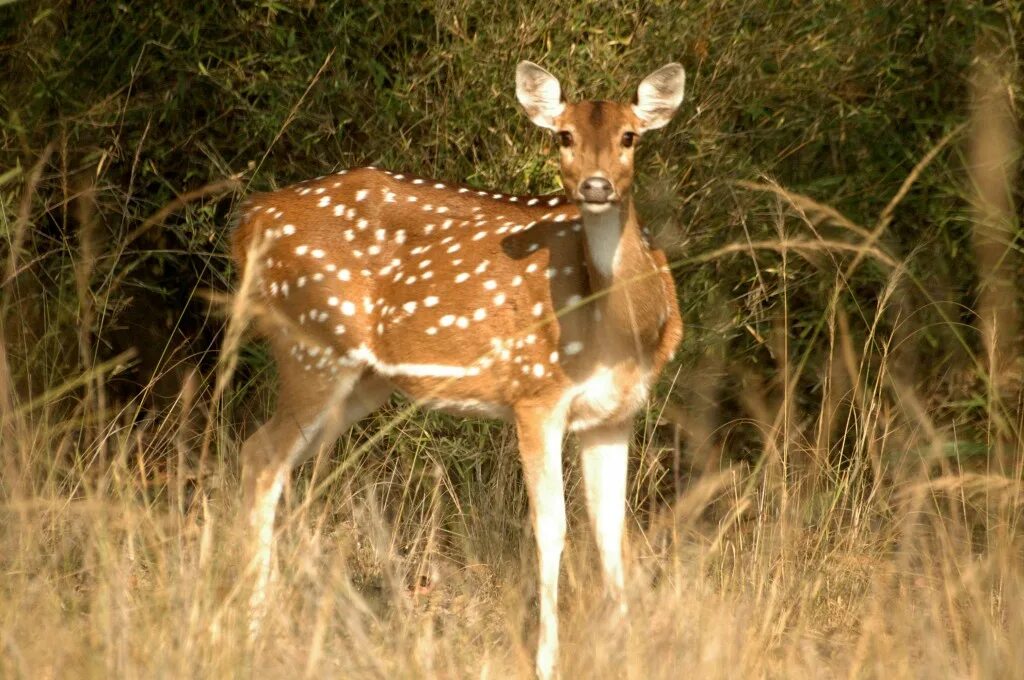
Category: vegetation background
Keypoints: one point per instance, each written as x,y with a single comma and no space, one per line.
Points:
828,482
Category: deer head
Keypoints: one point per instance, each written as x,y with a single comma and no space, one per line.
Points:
598,138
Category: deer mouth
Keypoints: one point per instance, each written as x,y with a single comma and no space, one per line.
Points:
596,206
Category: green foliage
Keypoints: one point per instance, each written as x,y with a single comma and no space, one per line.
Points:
835,100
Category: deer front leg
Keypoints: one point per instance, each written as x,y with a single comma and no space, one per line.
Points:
604,453
540,449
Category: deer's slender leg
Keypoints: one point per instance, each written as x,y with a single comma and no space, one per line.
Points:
305,419
540,449
604,454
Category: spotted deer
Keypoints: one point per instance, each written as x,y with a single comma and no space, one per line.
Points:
551,312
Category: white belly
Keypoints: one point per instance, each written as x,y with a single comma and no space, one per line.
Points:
609,395
466,407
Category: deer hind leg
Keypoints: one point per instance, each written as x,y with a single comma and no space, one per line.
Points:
604,455
309,414
540,449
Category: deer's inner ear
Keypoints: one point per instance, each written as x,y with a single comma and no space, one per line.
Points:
659,96
539,93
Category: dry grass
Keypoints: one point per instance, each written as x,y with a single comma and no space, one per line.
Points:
899,563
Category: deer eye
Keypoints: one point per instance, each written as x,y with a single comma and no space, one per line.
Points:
628,139
565,138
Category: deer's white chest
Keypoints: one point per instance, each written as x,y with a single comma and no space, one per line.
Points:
608,395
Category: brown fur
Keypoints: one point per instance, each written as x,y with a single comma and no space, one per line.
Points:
552,240
517,307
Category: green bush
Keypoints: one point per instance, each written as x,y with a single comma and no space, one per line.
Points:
834,100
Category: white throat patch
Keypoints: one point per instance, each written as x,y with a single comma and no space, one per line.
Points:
604,230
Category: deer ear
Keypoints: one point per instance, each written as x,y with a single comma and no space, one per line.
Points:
539,93
659,95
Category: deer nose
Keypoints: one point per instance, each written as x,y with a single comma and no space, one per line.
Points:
596,190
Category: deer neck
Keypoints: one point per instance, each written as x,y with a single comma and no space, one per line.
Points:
604,237
622,271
